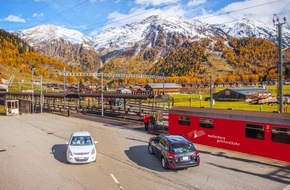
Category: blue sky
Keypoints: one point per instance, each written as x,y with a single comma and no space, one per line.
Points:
91,16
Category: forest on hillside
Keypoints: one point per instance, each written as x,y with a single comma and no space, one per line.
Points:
17,57
245,59
250,59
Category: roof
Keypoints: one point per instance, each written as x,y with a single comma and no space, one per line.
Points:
165,85
249,90
176,138
81,133
256,116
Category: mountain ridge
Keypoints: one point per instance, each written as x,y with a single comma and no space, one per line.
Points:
150,40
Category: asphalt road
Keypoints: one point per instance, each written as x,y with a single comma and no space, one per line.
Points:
32,156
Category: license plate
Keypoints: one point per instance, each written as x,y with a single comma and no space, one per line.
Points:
185,158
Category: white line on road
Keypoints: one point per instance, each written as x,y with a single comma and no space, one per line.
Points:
116,181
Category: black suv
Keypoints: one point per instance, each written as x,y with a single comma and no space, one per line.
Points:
174,151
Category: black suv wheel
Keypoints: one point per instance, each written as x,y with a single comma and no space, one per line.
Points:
163,163
150,149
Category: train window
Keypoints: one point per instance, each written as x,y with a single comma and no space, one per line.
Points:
206,123
183,120
281,134
255,131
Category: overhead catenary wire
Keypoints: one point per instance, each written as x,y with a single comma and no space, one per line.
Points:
37,10
77,6
162,6
104,23
237,10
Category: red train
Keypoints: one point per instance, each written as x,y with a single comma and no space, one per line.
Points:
258,133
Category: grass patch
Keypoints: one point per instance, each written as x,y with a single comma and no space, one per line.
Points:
193,100
2,110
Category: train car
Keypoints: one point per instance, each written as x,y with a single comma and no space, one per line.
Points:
258,133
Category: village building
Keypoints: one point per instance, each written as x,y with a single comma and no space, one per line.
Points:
160,88
122,90
242,94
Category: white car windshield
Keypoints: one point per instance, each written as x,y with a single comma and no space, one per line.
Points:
81,141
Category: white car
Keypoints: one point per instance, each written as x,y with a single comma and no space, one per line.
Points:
81,148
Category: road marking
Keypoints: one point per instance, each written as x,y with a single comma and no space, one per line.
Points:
117,182
287,188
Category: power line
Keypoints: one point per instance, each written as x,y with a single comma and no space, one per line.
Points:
37,10
104,23
77,6
242,9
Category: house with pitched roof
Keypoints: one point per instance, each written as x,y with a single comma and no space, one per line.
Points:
242,94
159,88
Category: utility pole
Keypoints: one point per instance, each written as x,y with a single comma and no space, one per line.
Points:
279,24
64,88
163,84
211,98
32,88
41,95
102,93
64,80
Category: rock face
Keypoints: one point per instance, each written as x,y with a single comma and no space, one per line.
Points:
75,55
150,39
69,46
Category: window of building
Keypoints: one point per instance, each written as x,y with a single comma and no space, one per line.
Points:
281,134
206,123
184,120
255,131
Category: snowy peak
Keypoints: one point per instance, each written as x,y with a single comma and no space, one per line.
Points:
45,33
246,28
146,33
254,28
162,33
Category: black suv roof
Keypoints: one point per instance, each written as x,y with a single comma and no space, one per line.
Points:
175,138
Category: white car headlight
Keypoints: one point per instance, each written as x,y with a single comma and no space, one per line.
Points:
69,152
93,151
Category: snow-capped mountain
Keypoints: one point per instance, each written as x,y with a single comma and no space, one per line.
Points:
70,46
127,36
254,28
45,33
149,33
155,32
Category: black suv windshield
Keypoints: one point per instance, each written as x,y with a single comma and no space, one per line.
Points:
179,148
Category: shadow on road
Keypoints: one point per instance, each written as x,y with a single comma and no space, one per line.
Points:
59,152
141,156
279,173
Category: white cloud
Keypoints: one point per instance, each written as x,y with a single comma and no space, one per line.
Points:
194,3
13,18
155,2
135,15
254,9
38,15
262,10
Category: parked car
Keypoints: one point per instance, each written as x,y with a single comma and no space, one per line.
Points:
81,148
174,151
